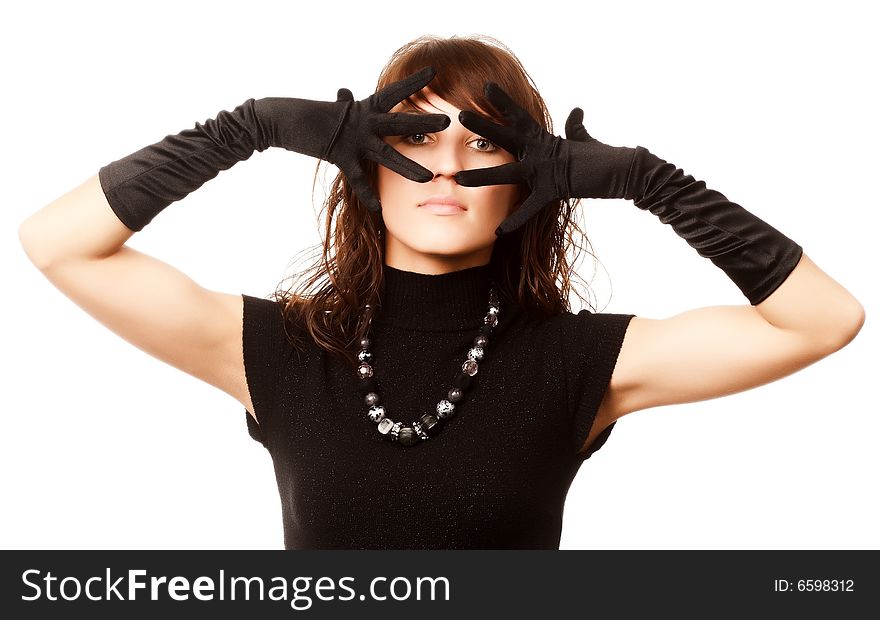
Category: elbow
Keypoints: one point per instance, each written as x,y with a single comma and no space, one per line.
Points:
31,248
850,325
858,321
27,246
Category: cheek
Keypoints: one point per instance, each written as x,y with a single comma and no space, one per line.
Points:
395,191
388,181
501,199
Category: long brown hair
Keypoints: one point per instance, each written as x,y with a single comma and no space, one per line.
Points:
532,262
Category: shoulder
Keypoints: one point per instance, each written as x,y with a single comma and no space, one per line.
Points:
599,351
270,329
578,336
260,312
594,333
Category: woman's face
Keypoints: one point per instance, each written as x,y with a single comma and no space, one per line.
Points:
417,239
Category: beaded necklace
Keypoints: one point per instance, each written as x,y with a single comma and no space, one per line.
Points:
428,424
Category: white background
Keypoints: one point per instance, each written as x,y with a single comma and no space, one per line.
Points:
773,104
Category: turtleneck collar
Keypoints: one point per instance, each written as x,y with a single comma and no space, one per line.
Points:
426,302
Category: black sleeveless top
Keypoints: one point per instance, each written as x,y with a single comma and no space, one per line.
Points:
496,474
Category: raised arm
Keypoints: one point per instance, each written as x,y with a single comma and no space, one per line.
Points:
709,352
78,241
78,244
797,313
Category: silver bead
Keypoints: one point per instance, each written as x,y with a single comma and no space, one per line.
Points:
490,319
376,413
365,342
481,341
417,427
494,310
455,394
385,425
395,430
364,371
372,398
445,409
365,356
469,367
476,354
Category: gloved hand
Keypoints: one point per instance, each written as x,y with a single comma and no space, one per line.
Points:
754,255
345,131
554,168
138,187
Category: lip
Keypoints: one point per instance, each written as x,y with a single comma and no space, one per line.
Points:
443,205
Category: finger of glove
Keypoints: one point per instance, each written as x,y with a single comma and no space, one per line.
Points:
499,98
360,184
506,174
343,94
508,107
505,137
574,127
388,156
394,93
404,124
533,204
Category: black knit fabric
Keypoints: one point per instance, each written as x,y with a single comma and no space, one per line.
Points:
497,473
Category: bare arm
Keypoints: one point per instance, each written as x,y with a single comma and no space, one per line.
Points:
78,243
709,352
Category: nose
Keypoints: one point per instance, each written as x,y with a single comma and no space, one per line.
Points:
445,160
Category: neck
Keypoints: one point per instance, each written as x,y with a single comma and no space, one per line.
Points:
434,302
404,258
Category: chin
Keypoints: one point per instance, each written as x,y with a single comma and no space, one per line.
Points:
438,242
437,248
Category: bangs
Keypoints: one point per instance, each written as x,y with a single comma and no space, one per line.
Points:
461,88
462,69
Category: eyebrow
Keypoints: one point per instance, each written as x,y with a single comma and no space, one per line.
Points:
411,108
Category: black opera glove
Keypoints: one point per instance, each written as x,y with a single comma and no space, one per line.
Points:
553,167
757,257
343,132
346,131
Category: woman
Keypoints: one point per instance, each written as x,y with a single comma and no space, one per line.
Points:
436,391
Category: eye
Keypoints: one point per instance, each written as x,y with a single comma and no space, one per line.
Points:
407,138
415,140
494,148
